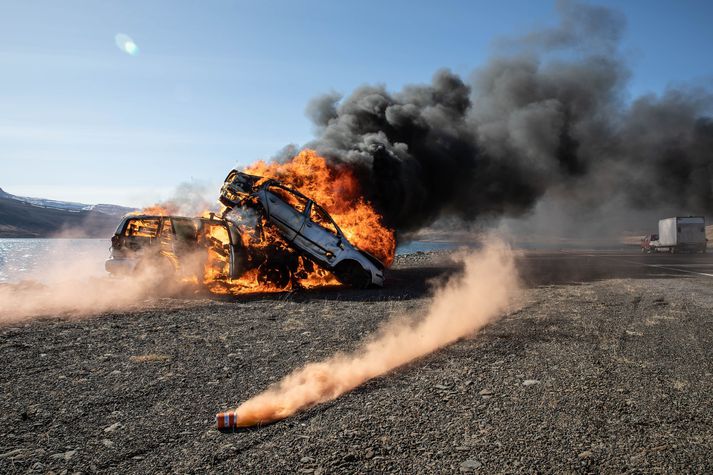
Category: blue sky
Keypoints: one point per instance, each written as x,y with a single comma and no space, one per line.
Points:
217,84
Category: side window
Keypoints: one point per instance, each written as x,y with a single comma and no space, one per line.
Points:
186,229
142,228
296,201
319,216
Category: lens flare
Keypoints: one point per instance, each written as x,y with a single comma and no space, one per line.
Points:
126,44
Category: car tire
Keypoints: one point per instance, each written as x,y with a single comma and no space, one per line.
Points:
351,273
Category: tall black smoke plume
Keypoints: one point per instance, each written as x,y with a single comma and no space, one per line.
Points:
547,116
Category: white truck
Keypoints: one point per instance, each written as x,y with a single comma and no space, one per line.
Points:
679,234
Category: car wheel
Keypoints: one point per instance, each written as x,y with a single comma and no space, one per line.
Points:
351,273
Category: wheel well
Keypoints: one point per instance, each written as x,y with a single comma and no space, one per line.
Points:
353,273
379,265
349,262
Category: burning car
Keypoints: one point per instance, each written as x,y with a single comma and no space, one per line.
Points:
174,246
211,251
303,225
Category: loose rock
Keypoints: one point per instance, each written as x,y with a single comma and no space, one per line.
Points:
64,455
470,465
11,453
112,427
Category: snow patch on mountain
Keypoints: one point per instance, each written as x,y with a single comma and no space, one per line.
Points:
109,209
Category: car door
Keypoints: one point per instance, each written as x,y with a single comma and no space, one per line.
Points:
185,234
165,237
167,242
319,235
285,209
215,237
238,253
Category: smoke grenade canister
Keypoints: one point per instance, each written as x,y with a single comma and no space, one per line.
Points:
227,421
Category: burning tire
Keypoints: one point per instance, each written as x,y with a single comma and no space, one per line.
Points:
351,273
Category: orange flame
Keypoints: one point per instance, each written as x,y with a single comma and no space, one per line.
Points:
336,189
157,209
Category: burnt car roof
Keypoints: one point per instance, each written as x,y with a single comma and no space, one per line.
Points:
248,184
172,216
129,217
155,216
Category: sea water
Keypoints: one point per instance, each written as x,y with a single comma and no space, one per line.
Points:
23,259
35,259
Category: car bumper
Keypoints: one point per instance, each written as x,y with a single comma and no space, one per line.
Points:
120,266
377,279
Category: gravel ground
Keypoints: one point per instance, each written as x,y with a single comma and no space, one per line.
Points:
591,375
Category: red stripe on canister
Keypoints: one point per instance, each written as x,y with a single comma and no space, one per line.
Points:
226,420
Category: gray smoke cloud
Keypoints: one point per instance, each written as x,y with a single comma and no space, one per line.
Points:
547,117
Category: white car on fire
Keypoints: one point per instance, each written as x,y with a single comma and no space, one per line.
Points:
305,226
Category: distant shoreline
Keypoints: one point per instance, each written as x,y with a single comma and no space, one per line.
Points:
58,238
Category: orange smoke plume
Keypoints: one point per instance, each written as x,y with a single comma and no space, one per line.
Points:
462,306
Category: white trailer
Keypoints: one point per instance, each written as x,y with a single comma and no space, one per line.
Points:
679,234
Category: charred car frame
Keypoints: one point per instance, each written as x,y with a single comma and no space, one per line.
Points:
174,246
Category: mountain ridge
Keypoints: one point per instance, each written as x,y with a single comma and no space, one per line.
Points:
29,217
